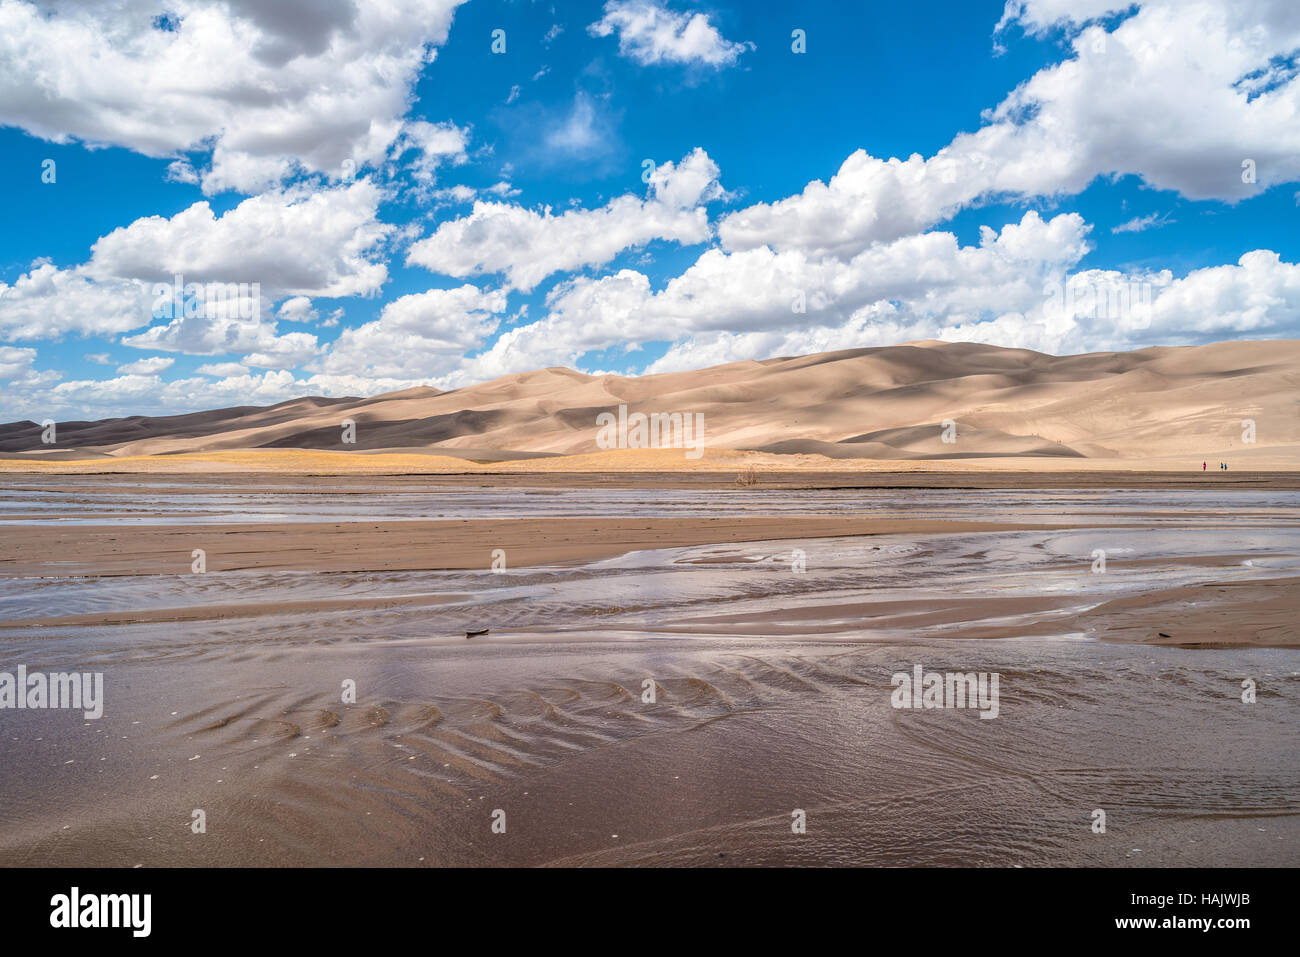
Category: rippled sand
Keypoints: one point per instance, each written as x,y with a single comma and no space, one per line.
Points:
770,661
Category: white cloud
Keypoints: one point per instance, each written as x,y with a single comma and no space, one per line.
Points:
268,87
926,277
417,336
37,395
47,302
1159,97
223,370
1139,224
1008,290
294,243
1036,16
149,366
181,171
690,183
240,172
526,245
297,309
648,32
562,337
583,132
454,194
868,200
1258,297
15,362
254,339
149,395
434,145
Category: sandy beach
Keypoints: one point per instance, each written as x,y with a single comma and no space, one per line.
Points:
671,666
83,550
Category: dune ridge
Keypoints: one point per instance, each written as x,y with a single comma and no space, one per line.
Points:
865,406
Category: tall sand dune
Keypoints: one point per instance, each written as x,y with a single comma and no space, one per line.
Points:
896,403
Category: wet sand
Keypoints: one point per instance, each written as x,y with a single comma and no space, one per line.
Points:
768,624
198,477
52,550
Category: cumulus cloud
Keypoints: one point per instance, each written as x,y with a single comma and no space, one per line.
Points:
293,243
454,194
297,309
150,395
181,171
47,303
923,276
526,246
150,366
223,370
1037,16
1159,96
256,340
1258,297
417,336
868,200
1019,287
425,147
648,32
930,273
1086,311
26,389
15,362
1189,129
269,88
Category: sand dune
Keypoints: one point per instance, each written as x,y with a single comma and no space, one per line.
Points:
882,404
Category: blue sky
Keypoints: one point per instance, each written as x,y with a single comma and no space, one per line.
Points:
630,186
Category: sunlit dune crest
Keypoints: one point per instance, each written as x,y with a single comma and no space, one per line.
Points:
928,405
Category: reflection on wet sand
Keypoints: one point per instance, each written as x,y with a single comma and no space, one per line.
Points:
675,705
